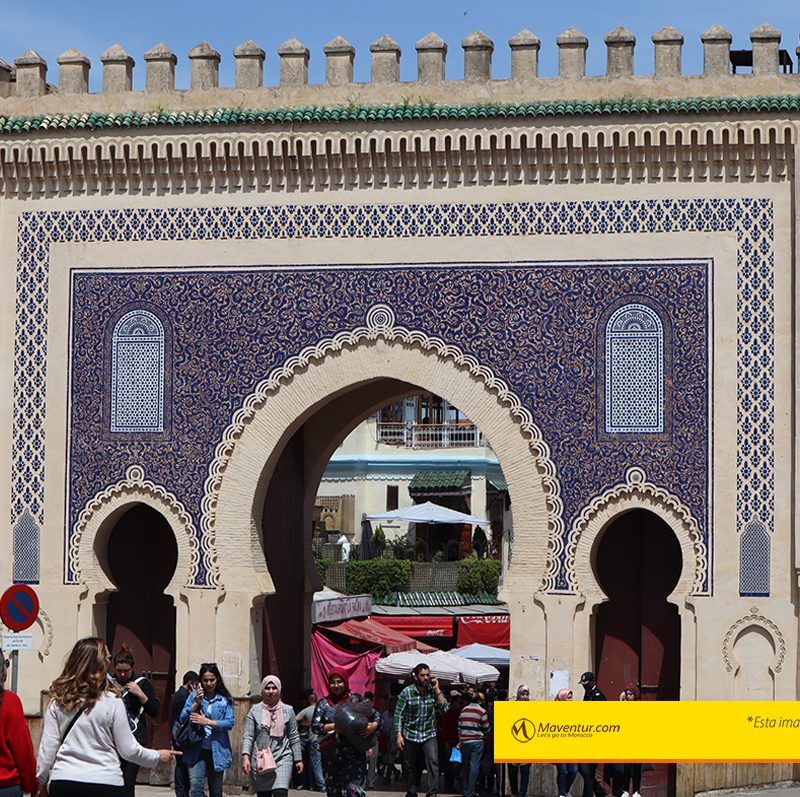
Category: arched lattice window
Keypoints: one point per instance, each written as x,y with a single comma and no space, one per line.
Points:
634,365
754,559
137,373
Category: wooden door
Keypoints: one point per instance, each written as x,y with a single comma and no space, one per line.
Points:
142,555
637,633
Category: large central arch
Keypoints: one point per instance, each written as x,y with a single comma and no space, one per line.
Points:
318,378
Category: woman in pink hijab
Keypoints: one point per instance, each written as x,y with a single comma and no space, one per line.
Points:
519,775
271,726
565,773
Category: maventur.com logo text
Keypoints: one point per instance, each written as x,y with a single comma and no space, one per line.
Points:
525,730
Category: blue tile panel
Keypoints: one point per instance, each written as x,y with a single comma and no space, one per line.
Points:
503,316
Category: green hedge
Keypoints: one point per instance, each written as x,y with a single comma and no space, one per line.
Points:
322,567
378,577
479,575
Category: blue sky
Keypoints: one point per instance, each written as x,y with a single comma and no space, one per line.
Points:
93,25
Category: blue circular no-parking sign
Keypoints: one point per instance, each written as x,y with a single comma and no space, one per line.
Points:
19,607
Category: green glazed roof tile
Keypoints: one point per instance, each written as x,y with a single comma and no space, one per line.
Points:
428,480
439,599
399,112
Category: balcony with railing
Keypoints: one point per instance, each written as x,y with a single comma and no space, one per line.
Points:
430,435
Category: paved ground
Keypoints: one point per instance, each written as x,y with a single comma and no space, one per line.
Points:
153,791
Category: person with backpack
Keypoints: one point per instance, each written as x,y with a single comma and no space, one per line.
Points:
86,730
17,764
209,714
177,702
140,702
271,742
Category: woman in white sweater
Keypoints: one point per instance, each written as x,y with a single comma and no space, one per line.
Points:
86,730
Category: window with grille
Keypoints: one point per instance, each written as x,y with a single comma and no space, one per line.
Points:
634,371
754,559
137,374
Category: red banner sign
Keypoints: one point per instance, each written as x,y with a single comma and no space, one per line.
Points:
486,629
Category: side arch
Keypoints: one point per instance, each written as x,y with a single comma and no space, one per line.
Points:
95,522
241,469
757,619
636,492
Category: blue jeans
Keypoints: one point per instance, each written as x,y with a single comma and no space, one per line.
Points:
565,776
471,755
10,791
313,764
197,776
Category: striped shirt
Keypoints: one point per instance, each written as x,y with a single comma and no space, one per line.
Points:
473,723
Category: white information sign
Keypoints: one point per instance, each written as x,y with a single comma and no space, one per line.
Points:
332,610
17,642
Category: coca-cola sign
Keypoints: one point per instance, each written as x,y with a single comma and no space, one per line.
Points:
487,629
487,619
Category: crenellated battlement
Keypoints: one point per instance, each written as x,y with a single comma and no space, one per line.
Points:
29,87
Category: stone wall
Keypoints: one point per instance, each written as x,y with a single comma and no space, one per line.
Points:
28,87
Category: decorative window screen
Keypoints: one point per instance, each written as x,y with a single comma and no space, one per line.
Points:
26,550
634,365
754,559
137,374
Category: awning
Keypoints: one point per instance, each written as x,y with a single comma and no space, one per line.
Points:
375,633
441,482
488,629
418,625
429,513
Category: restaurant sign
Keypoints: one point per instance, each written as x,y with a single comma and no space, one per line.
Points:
332,610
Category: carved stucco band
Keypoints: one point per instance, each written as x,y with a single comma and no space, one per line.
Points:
380,324
134,484
754,618
637,488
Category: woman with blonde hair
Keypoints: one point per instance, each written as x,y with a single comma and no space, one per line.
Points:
86,730
17,765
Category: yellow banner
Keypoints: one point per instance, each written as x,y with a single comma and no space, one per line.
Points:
691,731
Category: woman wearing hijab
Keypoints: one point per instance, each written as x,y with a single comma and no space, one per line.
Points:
626,779
565,773
271,724
519,775
345,766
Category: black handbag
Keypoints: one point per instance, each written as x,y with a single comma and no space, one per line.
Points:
185,734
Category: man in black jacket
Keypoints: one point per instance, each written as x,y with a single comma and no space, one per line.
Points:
178,701
590,783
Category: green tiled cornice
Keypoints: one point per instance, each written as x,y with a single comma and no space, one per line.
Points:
396,113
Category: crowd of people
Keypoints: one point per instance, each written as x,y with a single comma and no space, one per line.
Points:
95,729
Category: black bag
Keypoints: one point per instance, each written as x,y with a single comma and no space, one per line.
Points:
350,719
185,734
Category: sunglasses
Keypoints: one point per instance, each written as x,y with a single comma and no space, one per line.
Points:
209,664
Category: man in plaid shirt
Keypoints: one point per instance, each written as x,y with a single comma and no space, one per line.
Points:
415,724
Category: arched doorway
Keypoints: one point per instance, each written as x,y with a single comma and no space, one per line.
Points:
638,562
142,555
322,393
